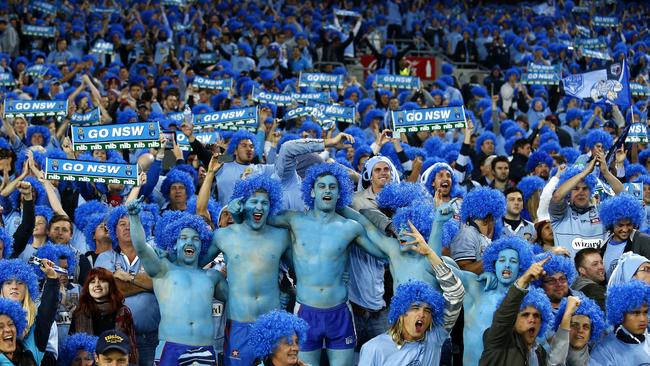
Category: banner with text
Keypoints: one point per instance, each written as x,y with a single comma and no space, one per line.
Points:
591,43
398,82
303,111
44,7
639,90
638,133
264,97
37,71
91,118
31,108
335,112
207,58
542,74
7,79
205,83
206,138
320,81
107,137
303,98
601,21
91,171
39,31
431,119
596,54
102,47
231,119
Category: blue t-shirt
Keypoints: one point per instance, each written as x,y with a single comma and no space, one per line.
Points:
382,351
612,254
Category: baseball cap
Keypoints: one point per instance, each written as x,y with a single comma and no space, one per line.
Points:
113,340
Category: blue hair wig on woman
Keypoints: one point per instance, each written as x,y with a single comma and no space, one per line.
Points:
590,179
588,308
86,210
598,136
522,247
481,203
91,223
17,269
15,312
173,222
7,243
177,176
632,170
213,209
570,154
420,214
484,137
75,343
54,252
412,292
43,130
316,171
398,195
44,211
311,126
537,158
529,185
624,298
557,264
119,212
238,137
449,231
429,176
259,182
623,206
269,329
41,196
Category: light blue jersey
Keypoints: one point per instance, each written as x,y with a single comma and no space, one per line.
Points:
382,351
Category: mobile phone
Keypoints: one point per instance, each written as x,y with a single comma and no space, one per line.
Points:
226,158
389,134
171,138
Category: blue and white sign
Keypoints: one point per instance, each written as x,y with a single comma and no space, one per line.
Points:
6,79
206,138
591,43
638,132
91,171
103,10
37,71
176,116
228,119
637,89
303,111
635,189
264,97
335,112
430,119
178,3
207,58
398,82
320,81
102,47
205,83
31,108
583,31
93,117
43,7
39,31
596,54
323,97
542,74
123,136
346,13
610,84
601,21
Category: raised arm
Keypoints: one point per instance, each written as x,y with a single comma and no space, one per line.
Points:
562,191
443,214
370,238
616,184
153,265
204,193
560,343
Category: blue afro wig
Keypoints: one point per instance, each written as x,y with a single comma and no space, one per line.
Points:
590,180
358,154
238,137
557,264
429,176
538,299
413,292
39,158
75,343
449,231
481,203
589,309
570,154
126,116
187,168
171,224
43,130
420,214
537,158
91,223
18,269
177,176
645,179
87,210
482,138
41,196
529,185
632,170
598,136
269,329
55,252
550,147
15,312
259,182
624,298
7,243
44,211
316,171
213,209
621,207
434,146
398,195
643,156
311,126
4,144
522,247
119,212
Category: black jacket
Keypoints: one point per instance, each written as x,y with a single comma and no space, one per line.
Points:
638,243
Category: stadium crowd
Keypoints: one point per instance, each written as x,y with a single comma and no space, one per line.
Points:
297,237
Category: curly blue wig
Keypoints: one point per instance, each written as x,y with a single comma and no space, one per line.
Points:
213,208
449,231
7,243
589,309
430,176
645,179
187,168
550,147
412,292
623,206
177,176
86,210
54,252
397,195
434,146
524,252
599,136
18,269
481,203
44,211
75,343
316,171
91,224
420,214
259,182
570,154
172,226
529,185
643,156
238,137
538,299
557,264
39,190
119,212
484,137
360,152
269,329
15,312
537,158
43,130
590,179
625,297
39,158
632,170
311,126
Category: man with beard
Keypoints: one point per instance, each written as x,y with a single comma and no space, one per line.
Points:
440,181
559,274
540,164
591,275
501,171
513,223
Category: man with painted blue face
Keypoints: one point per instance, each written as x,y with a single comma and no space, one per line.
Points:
184,291
252,250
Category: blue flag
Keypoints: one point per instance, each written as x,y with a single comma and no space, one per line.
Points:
610,84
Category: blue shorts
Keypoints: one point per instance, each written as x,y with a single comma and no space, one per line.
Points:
173,354
236,349
334,325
